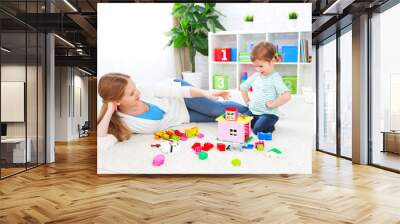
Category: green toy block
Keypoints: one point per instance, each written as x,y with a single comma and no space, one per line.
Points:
275,150
176,138
220,82
249,139
203,155
291,83
236,162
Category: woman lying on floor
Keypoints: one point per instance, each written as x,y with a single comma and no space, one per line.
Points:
128,108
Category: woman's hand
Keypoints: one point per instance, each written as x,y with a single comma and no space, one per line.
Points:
223,94
111,107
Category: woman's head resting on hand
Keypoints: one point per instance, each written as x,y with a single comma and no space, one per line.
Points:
119,88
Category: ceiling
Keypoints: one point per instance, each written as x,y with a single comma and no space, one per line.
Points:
76,22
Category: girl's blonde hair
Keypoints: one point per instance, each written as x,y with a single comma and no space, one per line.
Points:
112,88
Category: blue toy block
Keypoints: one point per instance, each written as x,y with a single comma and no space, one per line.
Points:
289,53
248,146
264,136
233,54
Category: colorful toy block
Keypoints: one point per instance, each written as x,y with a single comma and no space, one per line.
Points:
236,162
191,132
220,82
231,114
234,131
158,160
248,140
248,146
200,135
176,138
207,146
196,144
260,145
264,136
221,147
222,54
203,155
274,153
169,147
165,137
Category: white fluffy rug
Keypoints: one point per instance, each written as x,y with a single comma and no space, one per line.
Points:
293,136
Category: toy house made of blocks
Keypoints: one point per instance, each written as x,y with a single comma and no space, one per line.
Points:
233,128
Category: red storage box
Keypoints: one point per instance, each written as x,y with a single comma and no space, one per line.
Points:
222,54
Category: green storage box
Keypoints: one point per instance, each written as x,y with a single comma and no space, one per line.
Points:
220,82
244,57
291,83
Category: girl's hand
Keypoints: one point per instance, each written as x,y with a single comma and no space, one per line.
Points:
270,104
223,94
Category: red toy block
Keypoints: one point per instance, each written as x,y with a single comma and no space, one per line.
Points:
222,54
221,146
195,145
231,113
207,146
178,133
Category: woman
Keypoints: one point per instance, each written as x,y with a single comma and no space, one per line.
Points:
128,108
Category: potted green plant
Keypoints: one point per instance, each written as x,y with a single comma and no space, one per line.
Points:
248,21
293,18
195,20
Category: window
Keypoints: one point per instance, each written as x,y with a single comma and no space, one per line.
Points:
232,132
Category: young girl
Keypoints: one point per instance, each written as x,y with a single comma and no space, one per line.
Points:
269,91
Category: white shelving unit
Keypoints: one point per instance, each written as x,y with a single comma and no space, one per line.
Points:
240,39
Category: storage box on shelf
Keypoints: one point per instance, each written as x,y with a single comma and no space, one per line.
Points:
294,47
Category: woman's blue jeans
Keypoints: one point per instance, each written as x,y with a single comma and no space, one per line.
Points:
203,109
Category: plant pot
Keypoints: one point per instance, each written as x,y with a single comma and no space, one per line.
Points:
194,78
248,25
293,23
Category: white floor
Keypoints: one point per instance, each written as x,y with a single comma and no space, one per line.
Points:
293,136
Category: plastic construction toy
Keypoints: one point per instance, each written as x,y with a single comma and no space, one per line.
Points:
192,132
233,128
234,147
274,153
207,146
248,146
236,162
260,145
175,137
169,147
248,140
203,155
221,147
196,147
178,135
158,160
264,136
275,150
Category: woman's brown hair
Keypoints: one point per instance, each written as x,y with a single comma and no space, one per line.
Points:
263,51
112,88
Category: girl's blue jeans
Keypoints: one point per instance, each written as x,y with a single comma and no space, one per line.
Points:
203,109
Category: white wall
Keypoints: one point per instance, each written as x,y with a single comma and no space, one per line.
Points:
66,121
131,40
